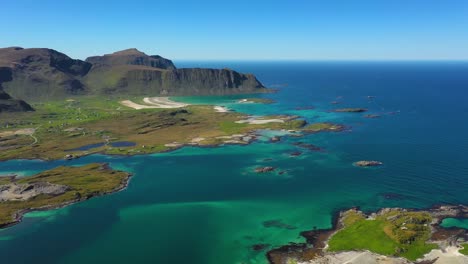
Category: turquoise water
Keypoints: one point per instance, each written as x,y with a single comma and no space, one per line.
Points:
455,222
204,205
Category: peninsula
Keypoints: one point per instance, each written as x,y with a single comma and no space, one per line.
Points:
55,188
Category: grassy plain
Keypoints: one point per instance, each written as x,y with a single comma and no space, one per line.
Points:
392,233
64,125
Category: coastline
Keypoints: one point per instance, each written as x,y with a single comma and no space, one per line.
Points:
18,216
316,244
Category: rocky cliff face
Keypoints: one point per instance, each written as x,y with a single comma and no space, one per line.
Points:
41,74
7,103
209,81
134,72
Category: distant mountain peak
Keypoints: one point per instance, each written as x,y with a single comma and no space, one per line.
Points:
127,52
132,57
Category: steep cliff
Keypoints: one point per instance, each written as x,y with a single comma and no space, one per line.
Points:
133,72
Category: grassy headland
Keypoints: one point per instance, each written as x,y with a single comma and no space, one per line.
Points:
392,233
80,183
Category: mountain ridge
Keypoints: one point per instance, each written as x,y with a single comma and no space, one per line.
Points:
39,74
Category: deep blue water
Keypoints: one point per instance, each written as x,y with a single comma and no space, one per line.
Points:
204,205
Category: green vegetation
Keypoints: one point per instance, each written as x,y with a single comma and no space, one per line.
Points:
4,180
59,126
393,232
83,182
364,235
464,251
319,127
352,216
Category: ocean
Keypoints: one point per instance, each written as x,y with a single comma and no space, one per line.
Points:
206,206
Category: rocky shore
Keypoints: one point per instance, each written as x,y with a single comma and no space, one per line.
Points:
57,188
446,242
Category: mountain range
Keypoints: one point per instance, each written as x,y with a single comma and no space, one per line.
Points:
39,74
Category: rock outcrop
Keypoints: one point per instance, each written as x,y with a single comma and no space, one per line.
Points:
8,104
41,74
22,192
368,163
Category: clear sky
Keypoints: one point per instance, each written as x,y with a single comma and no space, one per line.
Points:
243,29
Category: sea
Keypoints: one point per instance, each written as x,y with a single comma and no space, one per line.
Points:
207,206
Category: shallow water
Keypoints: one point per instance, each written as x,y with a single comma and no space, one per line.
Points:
205,205
454,222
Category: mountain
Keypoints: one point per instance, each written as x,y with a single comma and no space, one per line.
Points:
39,74
131,57
133,72
7,103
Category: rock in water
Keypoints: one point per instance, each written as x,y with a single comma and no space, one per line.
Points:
264,169
368,163
351,110
275,139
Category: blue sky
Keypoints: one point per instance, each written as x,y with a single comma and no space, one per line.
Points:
243,30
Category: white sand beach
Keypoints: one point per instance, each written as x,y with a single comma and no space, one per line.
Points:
221,109
259,121
449,254
153,102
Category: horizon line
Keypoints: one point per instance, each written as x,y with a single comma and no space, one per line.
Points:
323,60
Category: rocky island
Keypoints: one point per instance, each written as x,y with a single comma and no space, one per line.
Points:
368,163
350,110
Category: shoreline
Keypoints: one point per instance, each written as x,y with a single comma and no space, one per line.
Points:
316,240
18,216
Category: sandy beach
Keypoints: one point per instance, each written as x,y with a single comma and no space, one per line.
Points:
153,102
259,121
221,109
449,254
